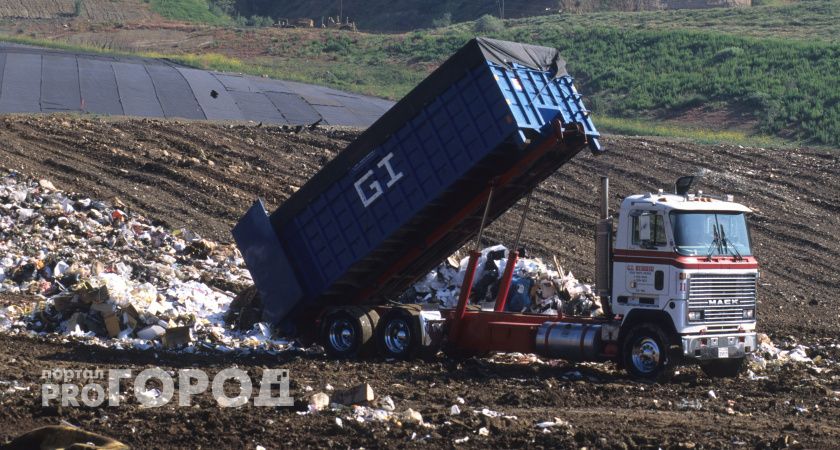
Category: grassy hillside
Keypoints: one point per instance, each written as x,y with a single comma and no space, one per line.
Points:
807,20
787,86
199,11
398,15
631,66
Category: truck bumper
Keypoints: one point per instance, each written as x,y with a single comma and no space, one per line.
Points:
718,346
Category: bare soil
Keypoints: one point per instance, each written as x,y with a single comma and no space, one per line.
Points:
204,176
91,10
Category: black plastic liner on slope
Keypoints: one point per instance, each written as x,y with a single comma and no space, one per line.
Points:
136,90
99,87
40,80
174,93
216,102
59,76
21,88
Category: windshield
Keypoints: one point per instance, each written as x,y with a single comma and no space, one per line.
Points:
703,233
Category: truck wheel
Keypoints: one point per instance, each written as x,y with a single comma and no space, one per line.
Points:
646,353
723,368
347,333
398,335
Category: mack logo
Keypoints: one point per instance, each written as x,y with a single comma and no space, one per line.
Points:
723,301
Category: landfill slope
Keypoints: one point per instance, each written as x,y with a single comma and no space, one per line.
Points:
42,80
204,176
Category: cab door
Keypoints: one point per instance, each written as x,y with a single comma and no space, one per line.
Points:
646,276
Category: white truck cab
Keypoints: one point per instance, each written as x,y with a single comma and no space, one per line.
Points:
684,262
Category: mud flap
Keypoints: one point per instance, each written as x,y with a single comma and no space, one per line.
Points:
270,268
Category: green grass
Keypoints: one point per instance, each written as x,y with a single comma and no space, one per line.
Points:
805,20
808,19
628,71
198,11
634,127
788,86
342,76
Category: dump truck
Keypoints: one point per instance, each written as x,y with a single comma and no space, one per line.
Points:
674,271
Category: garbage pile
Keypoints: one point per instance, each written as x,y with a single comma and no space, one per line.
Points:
111,277
770,357
535,288
106,273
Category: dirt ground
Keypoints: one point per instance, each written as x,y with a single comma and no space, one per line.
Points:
204,176
63,11
603,408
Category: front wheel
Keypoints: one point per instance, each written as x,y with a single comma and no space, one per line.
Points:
646,353
723,368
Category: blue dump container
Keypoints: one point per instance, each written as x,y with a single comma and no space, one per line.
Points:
397,200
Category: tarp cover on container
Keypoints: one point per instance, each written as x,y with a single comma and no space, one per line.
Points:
477,51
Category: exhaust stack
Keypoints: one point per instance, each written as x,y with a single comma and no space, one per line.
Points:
605,198
603,245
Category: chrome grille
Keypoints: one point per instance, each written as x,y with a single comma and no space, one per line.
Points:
722,298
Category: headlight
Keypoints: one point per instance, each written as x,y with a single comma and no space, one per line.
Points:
749,313
694,316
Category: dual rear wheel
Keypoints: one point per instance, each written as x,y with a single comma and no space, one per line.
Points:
359,331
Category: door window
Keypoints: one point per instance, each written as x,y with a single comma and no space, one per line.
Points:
648,230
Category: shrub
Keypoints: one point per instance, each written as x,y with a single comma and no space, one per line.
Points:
443,21
728,53
489,24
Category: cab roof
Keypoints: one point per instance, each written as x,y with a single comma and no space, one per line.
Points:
683,203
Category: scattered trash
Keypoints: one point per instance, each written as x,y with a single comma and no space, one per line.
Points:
151,333
109,277
690,404
387,403
483,431
557,422
319,402
534,287
712,395
62,436
454,410
412,416
112,278
486,412
362,393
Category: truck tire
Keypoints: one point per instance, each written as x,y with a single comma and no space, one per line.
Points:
398,335
646,353
723,368
346,333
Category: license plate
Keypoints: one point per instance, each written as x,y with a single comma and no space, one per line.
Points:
723,352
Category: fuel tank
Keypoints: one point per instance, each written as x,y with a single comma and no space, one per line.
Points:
569,341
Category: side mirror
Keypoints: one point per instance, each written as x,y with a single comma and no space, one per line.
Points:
683,184
644,227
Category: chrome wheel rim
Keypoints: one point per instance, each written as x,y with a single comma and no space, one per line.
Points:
397,336
342,335
646,355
